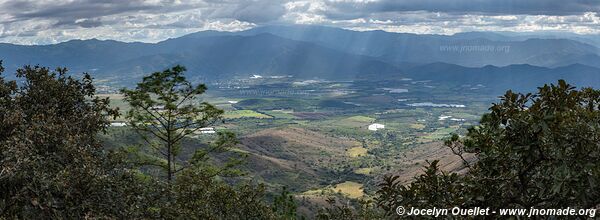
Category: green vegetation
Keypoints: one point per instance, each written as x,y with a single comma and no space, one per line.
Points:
235,114
351,189
314,137
281,114
440,134
55,167
357,152
348,189
273,104
165,110
531,150
417,126
52,164
361,118
364,171
356,121
60,159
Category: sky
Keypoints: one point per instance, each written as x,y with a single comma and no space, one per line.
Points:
47,22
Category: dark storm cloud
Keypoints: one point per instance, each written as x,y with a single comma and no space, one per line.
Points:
258,13
89,23
68,12
357,9
254,11
72,10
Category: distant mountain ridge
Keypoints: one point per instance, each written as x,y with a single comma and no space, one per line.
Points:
211,57
519,77
468,49
306,52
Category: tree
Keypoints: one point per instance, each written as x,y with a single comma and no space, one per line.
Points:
284,205
165,112
433,188
51,163
340,209
199,196
532,150
165,109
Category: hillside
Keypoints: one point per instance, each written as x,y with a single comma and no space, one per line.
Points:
296,157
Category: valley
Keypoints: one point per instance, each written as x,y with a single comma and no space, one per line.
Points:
314,137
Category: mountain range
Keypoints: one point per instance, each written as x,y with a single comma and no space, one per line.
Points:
519,77
308,52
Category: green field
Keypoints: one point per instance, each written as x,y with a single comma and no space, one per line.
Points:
357,152
351,189
281,114
243,114
441,133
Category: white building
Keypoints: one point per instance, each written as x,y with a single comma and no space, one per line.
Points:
375,127
207,130
118,124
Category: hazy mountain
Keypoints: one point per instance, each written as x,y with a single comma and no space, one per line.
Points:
473,49
521,77
223,57
593,39
78,55
210,57
308,52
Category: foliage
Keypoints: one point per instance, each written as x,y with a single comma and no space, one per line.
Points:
284,205
194,195
52,165
433,188
532,150
339,210
165,109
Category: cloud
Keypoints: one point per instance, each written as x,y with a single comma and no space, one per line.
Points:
452,16
254,11
72,10
51,21
360,8
43,22
68,11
